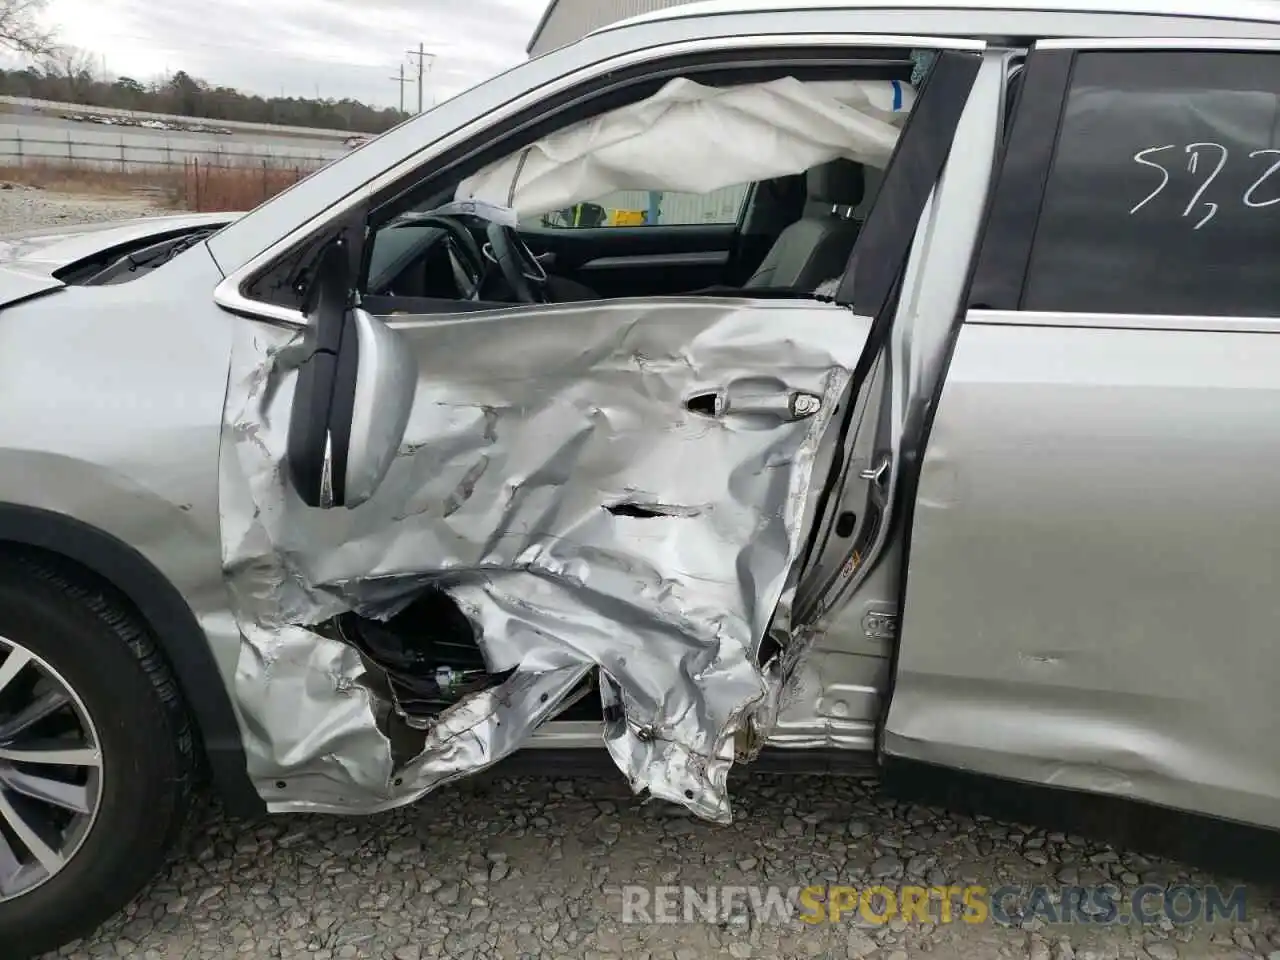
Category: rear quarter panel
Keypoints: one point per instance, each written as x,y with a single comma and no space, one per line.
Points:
1090,597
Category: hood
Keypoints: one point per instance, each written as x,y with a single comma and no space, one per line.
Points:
30,260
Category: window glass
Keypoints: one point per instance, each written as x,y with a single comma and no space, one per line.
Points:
635,208
1164,194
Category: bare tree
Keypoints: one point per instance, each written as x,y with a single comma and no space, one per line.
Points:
23,30
76,68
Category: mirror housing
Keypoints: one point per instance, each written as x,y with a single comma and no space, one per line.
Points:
353,394
385,384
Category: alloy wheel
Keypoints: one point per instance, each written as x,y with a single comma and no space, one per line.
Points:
50,771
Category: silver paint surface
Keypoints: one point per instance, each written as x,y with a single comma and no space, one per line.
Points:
121,390
1090,585
1091,591
29,258
386,381
849,597
527,425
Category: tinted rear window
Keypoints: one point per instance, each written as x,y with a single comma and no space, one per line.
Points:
1164,195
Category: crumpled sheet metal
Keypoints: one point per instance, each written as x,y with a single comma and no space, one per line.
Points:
526,426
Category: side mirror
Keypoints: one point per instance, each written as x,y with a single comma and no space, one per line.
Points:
353,395
385,384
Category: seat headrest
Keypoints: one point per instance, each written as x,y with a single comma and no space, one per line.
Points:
839,183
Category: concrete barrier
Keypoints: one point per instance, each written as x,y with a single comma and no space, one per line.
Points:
115,151
51,106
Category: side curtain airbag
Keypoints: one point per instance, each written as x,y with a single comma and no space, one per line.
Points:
691,138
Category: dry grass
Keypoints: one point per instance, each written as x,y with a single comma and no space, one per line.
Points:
209,187
64,178
196,185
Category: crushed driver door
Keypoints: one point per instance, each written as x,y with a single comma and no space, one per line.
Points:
612,489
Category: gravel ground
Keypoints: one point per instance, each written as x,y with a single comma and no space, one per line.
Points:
514,868
25,208
526,867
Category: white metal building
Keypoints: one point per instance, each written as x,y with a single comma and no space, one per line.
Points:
565,21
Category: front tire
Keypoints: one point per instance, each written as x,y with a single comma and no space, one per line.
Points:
97,756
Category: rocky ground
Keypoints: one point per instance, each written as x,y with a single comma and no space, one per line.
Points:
517,868
522,868
27,208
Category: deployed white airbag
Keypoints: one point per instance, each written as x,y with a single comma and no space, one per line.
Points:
690,138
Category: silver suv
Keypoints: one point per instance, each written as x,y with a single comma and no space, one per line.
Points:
897,378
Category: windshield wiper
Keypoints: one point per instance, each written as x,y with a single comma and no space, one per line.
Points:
150,257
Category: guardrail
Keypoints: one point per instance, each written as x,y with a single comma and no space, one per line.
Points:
51,106
140,154
194,180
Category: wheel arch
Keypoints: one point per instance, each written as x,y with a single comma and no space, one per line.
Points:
159,605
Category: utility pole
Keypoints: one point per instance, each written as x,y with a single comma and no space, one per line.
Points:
401,81
421,54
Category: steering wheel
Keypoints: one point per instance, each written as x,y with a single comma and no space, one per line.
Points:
521,270
465,257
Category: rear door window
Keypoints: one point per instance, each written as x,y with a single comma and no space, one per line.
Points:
1164,192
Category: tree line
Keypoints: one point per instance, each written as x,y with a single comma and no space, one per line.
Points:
69,75
71,78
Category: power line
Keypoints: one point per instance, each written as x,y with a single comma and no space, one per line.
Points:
400,82
422,55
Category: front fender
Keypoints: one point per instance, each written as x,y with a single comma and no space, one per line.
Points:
112,400
170,620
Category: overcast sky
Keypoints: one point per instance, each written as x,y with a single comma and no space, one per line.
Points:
340,48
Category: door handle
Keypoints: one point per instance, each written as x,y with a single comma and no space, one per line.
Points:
782,404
